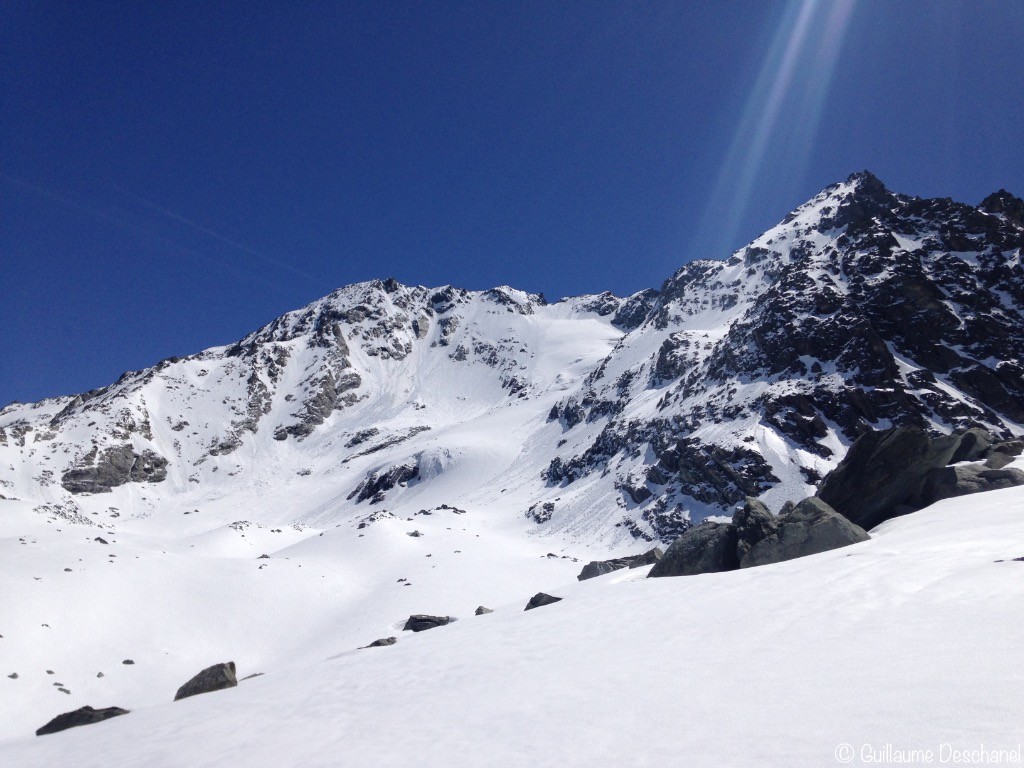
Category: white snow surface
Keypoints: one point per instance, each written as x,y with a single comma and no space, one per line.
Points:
909,640
903,640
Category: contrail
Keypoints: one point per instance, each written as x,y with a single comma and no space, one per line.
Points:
212,233
146,234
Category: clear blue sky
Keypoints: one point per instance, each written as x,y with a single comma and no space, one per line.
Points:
173,175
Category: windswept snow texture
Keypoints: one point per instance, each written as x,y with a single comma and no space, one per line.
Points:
909,640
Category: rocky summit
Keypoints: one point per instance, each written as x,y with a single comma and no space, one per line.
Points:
597,419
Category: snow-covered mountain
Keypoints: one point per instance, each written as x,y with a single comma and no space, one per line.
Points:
596,418
391,450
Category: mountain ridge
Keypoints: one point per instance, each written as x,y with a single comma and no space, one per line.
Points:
750,375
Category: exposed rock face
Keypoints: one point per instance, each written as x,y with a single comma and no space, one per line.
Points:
890,473
812,526
705,548
377,484
601,567
862,308
753,522
755,537
884,473
421,622
82,716
481,610
973,444
962,480
541,599
115,466
215,678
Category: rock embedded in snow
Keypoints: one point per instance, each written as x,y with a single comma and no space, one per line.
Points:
83,716
384,641
214,678
812,526
540,599
883,474
1001,454
705,548
420,622
376,484
481,610
601,567
116,465
962,480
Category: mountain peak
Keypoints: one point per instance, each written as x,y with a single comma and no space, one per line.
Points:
866,184
1009,205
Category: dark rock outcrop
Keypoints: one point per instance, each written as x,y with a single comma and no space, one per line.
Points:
377,484
421,622
481,610
82,716
1001,454
812,526
973,444
215,678
384,641
115,466
884,473
705,548
753,522
601,567
962,480
540,599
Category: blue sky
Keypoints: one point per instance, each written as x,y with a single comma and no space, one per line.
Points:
173,175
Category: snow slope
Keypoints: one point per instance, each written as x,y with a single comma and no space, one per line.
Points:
399,449
599,420
908,640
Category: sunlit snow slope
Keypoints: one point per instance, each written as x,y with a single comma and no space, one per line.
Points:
398,449
908,640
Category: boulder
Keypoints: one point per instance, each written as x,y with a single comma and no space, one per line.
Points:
884,473
480,610
753,522
995,460
812,526
83,716
601,567
974,443
214,678
540,599
382,642
421,622
1001,454
705,548
650,557
962,480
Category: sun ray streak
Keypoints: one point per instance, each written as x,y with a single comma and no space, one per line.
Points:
781,115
